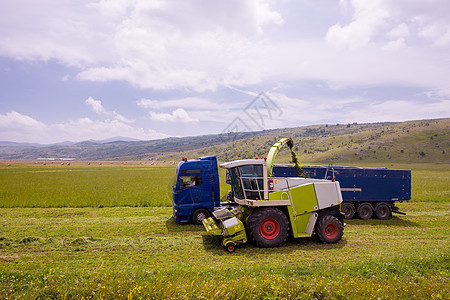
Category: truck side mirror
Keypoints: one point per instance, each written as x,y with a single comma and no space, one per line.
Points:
181,184
228,179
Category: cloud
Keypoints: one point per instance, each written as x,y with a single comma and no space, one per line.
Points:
96,105
178,115
438,32
368,17
85,129
197,103
202,45
186,60
18,127
22,128
353,109
400,110
159,45
98,108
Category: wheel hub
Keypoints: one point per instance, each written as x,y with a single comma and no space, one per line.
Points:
331,231
270,228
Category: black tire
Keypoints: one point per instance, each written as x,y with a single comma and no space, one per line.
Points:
268,227
365,211
198,216
329,229
230,247
383,212
348,209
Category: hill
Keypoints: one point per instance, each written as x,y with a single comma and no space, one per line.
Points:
400,142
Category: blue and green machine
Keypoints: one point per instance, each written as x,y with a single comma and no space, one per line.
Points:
268,202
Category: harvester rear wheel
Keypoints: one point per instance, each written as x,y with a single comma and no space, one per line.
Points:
198,216
268,227
329,229
348,209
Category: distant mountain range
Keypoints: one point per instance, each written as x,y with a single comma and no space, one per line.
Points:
412,141
119,148
68,143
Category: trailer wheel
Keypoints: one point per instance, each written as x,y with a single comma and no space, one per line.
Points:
348,209
329,229
268,227
365,211
383,212
198,216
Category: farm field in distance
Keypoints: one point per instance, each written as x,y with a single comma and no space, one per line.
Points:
106,232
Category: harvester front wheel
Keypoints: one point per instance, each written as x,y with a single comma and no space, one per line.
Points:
329,229
268,227
230,247
198,216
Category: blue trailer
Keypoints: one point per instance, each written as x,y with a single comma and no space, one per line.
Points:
366,192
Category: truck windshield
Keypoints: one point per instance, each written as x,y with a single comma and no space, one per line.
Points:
247,181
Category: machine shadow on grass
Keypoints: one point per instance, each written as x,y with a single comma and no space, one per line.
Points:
172,226
393,221
213,244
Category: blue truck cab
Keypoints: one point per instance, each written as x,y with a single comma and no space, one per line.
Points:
196,189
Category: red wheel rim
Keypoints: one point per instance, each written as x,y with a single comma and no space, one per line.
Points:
331,231
230,248
269,229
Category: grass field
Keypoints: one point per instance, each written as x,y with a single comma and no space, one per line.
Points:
106,232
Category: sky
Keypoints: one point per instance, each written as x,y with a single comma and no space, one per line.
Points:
150,69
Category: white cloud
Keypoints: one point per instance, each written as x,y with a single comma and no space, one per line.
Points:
98,108
354,109
22,128
395,45
400,31
200,45
96,105
368,17
400,110
178,115
85,129
191,103
438,32
181,56
18,127
158,44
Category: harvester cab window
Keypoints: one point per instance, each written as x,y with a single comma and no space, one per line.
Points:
248,181
252,171
190,181
235,182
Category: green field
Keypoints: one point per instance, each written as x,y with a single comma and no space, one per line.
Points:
106,232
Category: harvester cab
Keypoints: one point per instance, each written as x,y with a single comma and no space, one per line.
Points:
271,208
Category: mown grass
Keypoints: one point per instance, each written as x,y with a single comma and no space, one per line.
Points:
125,252
60,249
